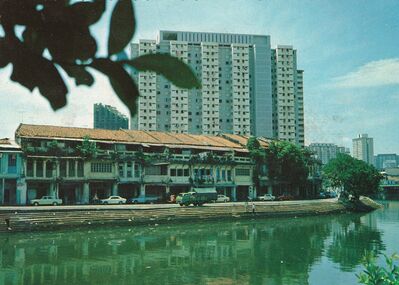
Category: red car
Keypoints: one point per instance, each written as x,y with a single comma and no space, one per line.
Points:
285,197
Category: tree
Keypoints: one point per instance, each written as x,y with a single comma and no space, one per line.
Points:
88,149
354,176
288,162
258,155
56,35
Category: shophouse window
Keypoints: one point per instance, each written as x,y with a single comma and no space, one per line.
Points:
29,168
242,172
39,168
228,175
12,160
71,168
180,172
129,169
173,172
63,168
223,174
80,168
99,167
49,169
186,172
121,169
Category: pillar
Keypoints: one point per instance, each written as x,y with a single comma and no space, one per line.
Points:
2,191
142,190
114,189
167,189
270,189
234,193
53,190
21,191
86,193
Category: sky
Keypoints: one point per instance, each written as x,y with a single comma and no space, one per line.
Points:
349,51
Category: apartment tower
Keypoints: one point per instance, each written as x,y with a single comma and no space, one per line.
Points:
236,95
363,148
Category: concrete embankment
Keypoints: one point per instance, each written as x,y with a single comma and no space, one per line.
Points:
17,219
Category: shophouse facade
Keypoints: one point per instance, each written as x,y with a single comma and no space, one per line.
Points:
60,161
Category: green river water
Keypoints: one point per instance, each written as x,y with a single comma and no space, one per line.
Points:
325,250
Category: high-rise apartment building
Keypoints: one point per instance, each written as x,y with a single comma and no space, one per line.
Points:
326,151
287,83
236,95
108,117
363,148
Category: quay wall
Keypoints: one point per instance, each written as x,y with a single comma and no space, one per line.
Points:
20,219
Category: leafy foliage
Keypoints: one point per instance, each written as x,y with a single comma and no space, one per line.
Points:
288,162
88,149
62,28
356,177
374,274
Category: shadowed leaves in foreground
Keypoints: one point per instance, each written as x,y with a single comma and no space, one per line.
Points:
63,29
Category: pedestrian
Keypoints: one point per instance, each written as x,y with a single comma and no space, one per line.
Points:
253,208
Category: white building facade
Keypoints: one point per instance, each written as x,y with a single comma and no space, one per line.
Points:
236,95
324,152
363,148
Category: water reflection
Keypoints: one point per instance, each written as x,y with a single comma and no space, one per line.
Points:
278,251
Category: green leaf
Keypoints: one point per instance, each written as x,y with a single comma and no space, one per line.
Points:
4,57
88,13
175,70
33,39
122,26
120,80
32,70
81,75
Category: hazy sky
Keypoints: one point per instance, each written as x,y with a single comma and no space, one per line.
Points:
348,49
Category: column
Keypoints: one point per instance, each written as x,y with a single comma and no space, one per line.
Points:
86,193
34,168
167,189
2,191
114,188
53,189
21,191
142,190
234,193
270,189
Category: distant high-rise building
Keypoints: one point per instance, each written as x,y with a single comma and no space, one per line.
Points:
363,148
384,161
236,96
108,117
326,151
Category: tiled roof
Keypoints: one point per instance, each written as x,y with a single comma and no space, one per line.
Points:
6,143
133,136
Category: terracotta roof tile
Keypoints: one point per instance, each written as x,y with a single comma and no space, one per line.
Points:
131,136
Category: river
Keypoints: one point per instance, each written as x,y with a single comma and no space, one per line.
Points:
325,250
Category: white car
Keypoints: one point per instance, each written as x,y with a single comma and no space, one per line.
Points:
222,199
46,200
113,200
267,197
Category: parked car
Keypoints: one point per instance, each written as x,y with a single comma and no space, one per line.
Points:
46,200
144,200
222,199
113,200
285,197
266,197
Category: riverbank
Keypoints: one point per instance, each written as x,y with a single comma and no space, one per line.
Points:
19,219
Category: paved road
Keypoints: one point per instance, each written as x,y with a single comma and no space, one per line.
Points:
154,206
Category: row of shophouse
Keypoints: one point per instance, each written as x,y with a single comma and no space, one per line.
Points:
79,165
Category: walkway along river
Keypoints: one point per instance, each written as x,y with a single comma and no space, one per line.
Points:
316,250
62,217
